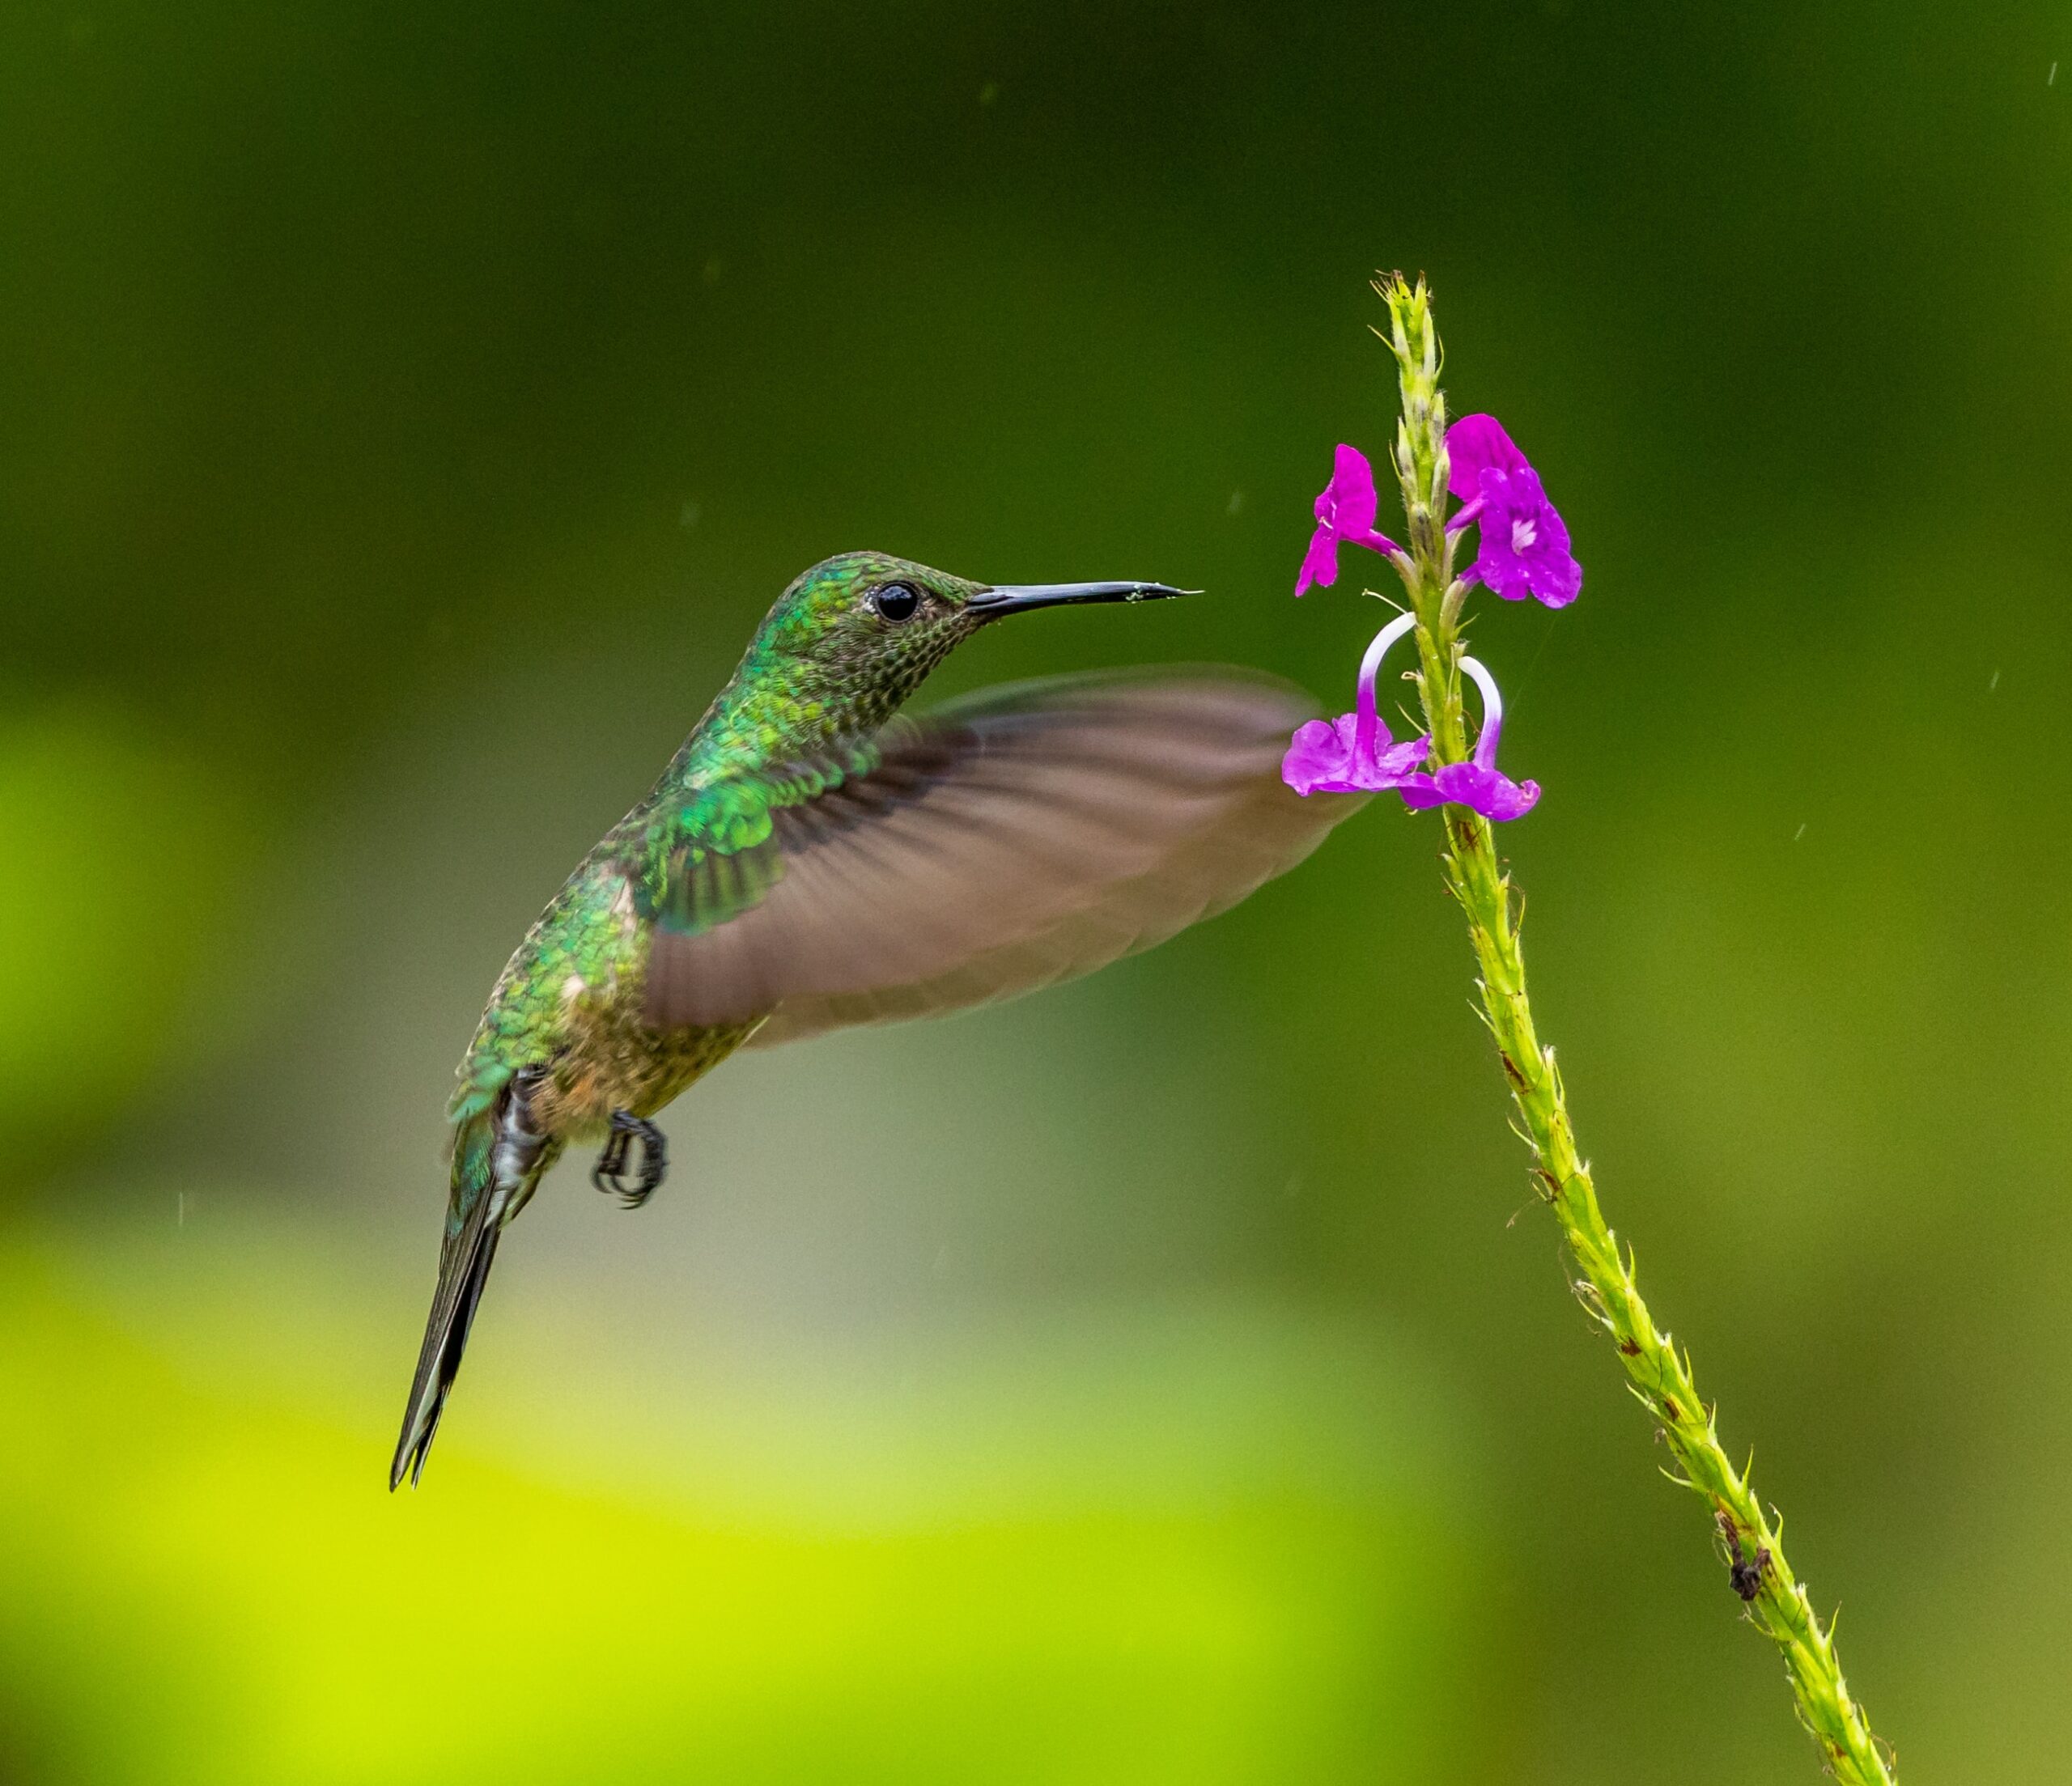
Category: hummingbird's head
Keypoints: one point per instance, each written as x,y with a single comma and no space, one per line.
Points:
869,627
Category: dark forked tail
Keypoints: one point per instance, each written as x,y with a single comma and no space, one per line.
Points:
497,1158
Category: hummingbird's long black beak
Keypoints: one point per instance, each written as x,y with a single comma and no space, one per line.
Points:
1018,598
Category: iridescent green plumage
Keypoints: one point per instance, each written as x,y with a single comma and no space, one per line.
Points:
811,857
793,722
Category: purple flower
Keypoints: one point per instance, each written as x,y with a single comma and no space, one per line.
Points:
1344,510
1524,544
1354,753
1477,782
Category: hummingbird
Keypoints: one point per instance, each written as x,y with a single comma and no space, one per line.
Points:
813,857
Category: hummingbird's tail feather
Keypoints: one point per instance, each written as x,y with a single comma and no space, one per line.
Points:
497,1159
463,1271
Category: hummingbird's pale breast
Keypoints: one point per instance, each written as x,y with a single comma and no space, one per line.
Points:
572,997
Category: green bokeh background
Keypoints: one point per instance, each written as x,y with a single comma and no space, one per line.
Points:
405,411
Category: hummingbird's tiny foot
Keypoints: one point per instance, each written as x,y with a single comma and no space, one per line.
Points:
608,1174
612,1161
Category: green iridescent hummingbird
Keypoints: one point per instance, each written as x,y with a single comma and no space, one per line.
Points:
813,857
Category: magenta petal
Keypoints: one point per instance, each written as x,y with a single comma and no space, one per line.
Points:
1474,444
1494,796
1402,762
1348,504
1502,572
1559,583
1524,542
1324,757
1420,791
1320,562
1345,512
1557,578
1523,797
1316,759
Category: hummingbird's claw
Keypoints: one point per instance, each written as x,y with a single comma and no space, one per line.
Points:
608,1174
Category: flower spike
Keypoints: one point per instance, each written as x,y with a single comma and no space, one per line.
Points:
1525,543
1524,551
1355,754
1477,782
1345,511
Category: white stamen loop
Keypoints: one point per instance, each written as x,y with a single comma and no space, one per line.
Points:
1492,712
1370,671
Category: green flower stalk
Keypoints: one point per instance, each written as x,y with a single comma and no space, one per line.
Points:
1523,550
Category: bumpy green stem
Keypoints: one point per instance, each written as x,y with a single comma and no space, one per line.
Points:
1659,1374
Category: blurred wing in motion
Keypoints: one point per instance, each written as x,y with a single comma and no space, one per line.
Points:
1019,837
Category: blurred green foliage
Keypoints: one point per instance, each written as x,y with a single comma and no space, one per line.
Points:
404,415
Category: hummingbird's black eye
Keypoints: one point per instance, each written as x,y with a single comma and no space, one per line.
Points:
897,602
